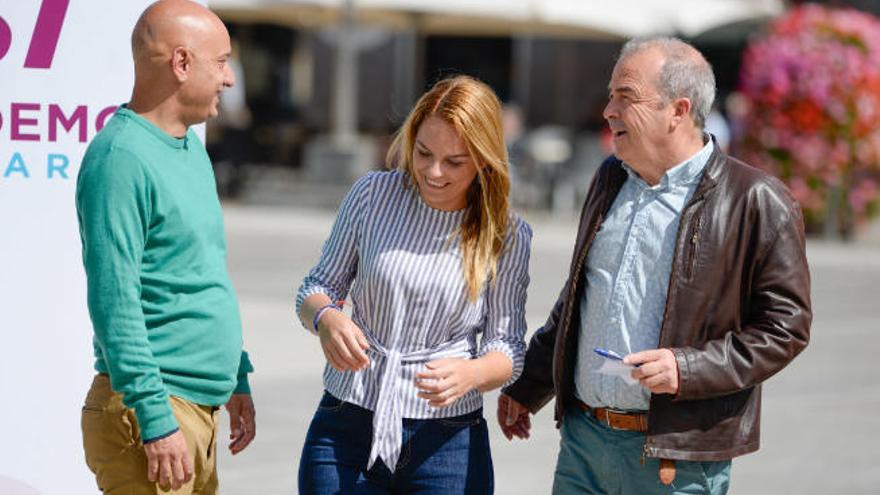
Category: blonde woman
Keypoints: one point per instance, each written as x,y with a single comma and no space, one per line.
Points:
431,258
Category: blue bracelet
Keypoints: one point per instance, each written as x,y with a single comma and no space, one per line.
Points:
320,313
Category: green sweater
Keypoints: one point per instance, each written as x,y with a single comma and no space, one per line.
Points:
163,309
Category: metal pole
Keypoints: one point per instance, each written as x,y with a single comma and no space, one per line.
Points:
346,78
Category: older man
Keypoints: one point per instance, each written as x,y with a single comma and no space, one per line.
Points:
167,331
688,263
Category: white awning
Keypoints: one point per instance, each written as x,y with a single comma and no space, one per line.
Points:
584,18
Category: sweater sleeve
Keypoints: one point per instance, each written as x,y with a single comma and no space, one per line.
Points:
244,367
113,209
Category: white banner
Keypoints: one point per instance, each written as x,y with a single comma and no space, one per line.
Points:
64,67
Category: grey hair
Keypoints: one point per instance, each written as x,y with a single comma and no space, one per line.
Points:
685,73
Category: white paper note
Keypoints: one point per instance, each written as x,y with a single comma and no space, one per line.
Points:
613,367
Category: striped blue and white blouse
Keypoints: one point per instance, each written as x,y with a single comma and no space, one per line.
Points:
403,268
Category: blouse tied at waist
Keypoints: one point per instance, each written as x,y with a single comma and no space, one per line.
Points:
388,415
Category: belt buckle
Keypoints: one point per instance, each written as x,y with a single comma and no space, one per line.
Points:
607,420
609,412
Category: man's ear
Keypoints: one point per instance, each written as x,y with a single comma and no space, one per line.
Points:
181,63
681,110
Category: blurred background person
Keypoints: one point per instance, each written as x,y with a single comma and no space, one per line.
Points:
229,145
716,125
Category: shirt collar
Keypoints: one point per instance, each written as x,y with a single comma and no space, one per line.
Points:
683,174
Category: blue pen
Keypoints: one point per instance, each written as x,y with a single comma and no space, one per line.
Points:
608,354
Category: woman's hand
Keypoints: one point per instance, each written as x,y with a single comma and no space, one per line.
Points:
343,342
446,380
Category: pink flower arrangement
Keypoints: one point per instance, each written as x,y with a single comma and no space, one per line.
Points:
813,88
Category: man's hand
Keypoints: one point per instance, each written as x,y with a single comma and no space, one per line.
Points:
513,418
343,342
242,422
657,370
168,461
446,380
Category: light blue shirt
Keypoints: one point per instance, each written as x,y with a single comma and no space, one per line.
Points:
627,277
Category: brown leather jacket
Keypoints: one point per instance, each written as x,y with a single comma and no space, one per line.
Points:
737,311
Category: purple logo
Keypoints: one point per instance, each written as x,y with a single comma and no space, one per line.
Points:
44,39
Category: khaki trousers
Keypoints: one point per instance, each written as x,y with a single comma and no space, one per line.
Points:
115,453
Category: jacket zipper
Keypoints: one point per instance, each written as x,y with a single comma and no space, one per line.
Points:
693,240
566,318
692,252
579,265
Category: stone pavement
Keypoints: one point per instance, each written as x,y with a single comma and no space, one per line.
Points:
821,417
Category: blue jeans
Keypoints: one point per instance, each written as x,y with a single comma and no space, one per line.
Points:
449,455
594,459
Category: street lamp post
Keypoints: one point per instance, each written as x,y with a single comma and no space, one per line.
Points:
342,156
346,77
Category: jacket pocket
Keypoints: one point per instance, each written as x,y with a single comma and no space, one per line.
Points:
693,245
106,433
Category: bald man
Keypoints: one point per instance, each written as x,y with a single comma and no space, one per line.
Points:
687,289
167,330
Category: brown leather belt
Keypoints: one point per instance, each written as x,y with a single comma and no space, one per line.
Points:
621,420
617,420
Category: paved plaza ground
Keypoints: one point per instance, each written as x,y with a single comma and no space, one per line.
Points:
821,416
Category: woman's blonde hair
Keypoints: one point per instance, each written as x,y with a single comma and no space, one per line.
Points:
474,111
